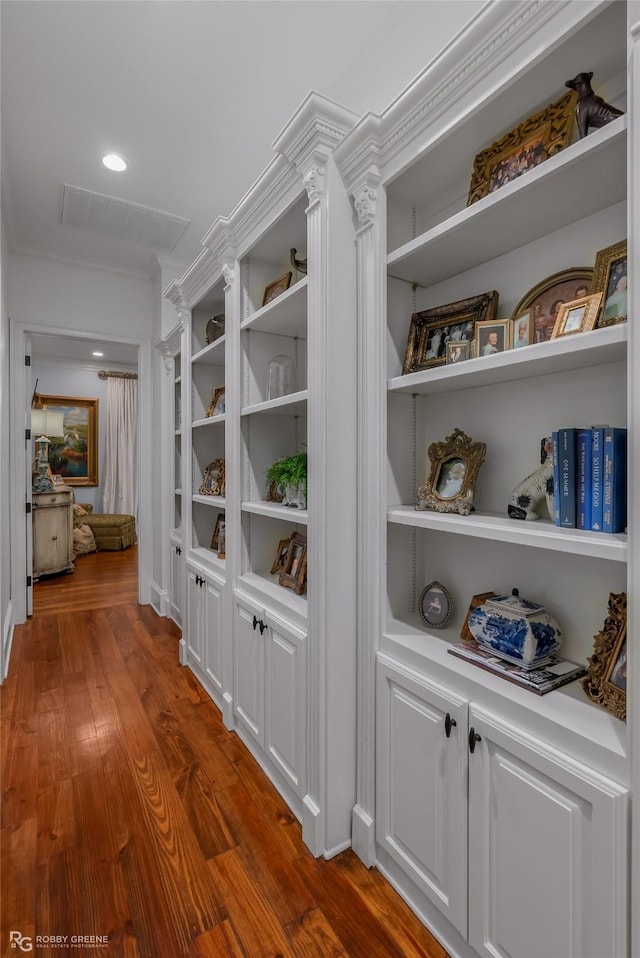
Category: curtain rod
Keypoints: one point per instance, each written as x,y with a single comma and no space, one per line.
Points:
108,373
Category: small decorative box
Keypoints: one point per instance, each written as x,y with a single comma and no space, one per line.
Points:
515,629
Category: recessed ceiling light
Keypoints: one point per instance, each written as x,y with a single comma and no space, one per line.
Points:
98,354
114,162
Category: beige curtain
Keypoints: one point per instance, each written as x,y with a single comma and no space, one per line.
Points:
120,451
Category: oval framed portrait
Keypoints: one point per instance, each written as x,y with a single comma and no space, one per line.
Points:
435,605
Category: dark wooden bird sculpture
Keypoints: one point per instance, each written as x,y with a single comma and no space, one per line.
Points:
299,264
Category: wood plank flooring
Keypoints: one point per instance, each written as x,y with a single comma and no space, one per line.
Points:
130,812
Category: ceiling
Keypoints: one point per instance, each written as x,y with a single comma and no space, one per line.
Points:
192,93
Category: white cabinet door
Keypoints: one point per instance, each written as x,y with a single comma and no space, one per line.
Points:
195,606
213,630
285,671
248,669
547,850
421,784
176,583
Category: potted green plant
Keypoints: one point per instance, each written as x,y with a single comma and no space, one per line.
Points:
289,475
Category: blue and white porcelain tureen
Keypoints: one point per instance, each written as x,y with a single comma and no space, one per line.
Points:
516,629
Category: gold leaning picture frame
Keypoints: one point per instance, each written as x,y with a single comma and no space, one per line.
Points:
277,287
606,681
450,486
577,316
431,330
536,139
610,278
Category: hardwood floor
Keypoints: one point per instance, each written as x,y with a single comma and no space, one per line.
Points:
130,812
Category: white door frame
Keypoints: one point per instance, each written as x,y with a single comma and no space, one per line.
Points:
18,333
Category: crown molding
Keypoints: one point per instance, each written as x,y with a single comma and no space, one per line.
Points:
144,275
496,32
317,126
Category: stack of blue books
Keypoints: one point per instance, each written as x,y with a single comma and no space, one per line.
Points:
590,478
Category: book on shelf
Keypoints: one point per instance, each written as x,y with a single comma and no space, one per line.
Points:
567,476
556,478
614,484
597,444
583,494
556,673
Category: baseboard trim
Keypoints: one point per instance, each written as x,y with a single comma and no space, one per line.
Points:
159,599
363,836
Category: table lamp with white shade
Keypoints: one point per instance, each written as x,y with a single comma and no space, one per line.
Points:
46,425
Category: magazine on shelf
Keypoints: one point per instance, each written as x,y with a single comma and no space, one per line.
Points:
553,675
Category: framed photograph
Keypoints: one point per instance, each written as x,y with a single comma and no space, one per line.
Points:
57,480
610,279
213,479
522,330
492,336
536,139
215,538
476,600
544,300
280,560
74,456
578,316
294,574
435,605
432,329
217,406
273,290
606,680
221,550
452,478
458,351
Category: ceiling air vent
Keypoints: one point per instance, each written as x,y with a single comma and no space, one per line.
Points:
120,220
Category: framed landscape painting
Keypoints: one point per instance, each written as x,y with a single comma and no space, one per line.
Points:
75,456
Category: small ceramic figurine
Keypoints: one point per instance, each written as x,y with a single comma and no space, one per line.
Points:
591,109
532,491
515,629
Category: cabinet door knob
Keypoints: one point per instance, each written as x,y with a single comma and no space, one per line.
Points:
255,622
54,538
473,739
262,626
449,723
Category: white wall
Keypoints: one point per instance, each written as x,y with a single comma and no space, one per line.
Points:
5,498
70,381
47,292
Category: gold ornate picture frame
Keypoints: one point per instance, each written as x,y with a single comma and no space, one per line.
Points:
275,289
217,406
431,330
294,574
606,681
75,457
213,479
610,278
455,462
577,316
542,135
544,299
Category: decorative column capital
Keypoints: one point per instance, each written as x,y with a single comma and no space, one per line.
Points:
228,274
365,203
313,181
183,319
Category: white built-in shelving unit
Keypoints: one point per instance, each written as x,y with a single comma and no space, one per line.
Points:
280,665
532,856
